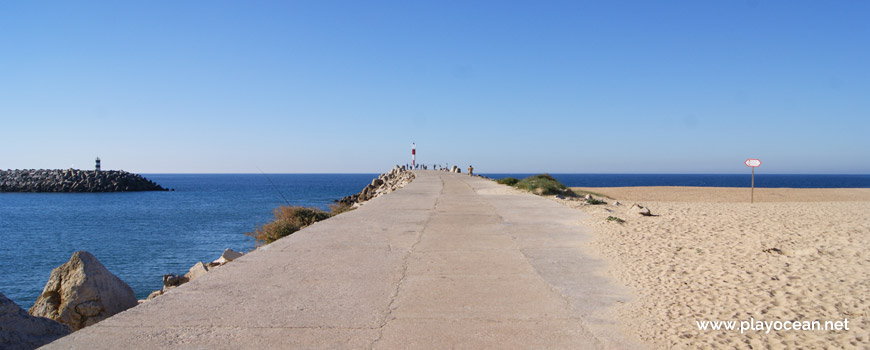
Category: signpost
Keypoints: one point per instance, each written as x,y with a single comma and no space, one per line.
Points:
752,163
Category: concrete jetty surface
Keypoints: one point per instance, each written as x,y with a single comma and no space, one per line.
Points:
448,262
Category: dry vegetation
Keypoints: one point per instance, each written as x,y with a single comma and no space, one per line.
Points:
289,219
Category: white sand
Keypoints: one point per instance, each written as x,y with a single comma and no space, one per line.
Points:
801,258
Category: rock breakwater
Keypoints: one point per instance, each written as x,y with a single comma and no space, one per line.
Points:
388,182
73,180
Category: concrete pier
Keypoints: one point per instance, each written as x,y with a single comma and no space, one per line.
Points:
448,262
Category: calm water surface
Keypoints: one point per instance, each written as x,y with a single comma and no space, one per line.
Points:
140,236
706,180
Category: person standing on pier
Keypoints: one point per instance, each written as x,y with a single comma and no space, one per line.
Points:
470,171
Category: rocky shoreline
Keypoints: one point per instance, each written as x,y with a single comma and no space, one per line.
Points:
387,182
82,291
74,180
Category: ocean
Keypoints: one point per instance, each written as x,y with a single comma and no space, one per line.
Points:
140,236
705,180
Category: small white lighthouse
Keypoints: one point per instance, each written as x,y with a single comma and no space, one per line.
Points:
413,155
97,166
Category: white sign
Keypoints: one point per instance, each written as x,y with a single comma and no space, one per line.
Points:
753,162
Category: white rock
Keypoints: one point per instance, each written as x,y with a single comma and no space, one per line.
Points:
196,271
228,255
82,292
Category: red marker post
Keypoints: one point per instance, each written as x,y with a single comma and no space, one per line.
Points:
413,155
752,163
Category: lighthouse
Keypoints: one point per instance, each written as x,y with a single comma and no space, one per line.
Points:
97,166
413,155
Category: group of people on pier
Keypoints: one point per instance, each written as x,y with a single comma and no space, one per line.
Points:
438,167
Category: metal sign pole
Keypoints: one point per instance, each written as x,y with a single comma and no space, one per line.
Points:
752,192
752,163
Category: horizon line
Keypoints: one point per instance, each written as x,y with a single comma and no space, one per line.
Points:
494,173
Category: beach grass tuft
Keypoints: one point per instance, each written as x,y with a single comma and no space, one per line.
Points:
543,184
595,201
581,192
288,219
615,219
510,181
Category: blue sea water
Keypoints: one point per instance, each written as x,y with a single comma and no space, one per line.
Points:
705,180
140,236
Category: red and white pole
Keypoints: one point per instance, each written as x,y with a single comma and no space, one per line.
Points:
413,155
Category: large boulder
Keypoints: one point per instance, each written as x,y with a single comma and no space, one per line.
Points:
82,292
18,330
227,256
196,271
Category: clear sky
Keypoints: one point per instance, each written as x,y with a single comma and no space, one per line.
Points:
508,86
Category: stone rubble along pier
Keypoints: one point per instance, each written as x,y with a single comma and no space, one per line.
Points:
447,262
74,180
388,182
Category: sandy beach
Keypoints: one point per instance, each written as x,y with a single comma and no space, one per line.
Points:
709,255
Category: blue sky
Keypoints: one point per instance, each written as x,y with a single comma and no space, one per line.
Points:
508,86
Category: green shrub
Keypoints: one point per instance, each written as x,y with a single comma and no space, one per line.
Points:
616,220
594,201
543,184
510,181
288,219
